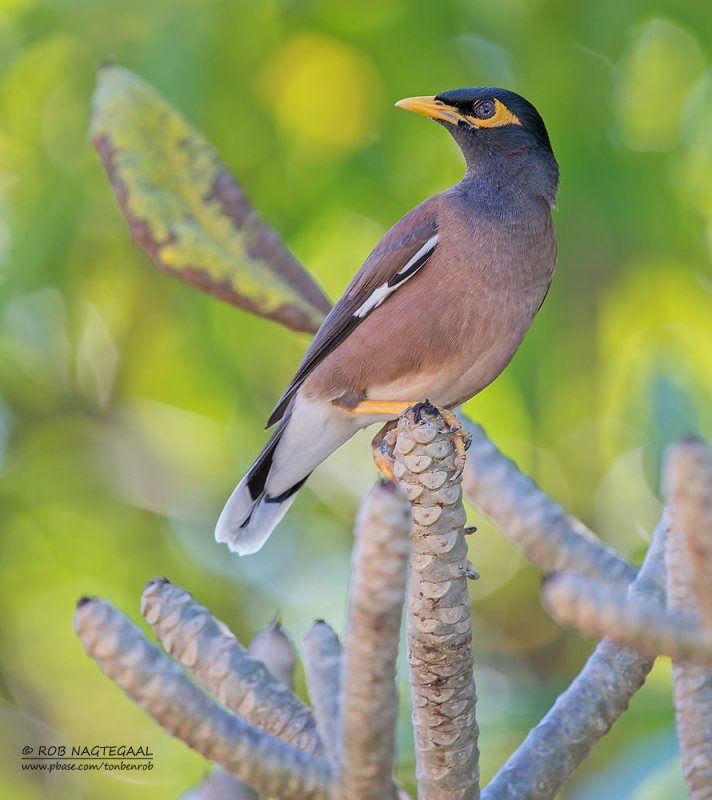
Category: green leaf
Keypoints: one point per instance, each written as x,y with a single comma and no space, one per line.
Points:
187,212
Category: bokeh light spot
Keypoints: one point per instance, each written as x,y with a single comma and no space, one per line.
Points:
322,91
653,79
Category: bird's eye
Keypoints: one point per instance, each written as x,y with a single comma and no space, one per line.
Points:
485,109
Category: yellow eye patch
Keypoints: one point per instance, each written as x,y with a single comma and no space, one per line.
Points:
502,116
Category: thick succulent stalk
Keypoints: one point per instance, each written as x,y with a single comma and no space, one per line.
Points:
154,681
438,601
599,610
539,526
213,654
688,486
369,706
582,714
322,665
274,649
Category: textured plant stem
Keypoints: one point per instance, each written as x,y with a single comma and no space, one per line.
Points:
599,610
274,649
688,485
587,709
161,688
322,664
438,601
369,706
538,525
206,646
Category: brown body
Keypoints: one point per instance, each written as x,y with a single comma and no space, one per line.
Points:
460,319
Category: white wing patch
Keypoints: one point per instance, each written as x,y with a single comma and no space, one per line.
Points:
375,300
378,295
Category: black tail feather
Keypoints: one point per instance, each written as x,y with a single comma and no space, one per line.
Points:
257,476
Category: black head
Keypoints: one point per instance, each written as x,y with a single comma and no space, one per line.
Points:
488,122
497,110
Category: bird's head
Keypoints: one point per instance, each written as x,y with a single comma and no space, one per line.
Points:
488,122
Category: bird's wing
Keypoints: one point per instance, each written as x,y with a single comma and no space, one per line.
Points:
396,258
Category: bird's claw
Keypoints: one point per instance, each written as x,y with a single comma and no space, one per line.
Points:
462,440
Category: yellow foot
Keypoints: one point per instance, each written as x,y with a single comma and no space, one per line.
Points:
450,419
382,446
385,465
462,440
395,407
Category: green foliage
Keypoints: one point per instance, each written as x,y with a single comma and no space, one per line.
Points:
130,404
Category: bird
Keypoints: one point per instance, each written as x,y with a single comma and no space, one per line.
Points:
435,312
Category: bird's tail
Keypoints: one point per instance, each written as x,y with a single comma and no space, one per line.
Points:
251,514
310,433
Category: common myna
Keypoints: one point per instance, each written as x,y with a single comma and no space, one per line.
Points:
437,310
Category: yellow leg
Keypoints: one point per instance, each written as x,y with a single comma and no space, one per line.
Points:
395,407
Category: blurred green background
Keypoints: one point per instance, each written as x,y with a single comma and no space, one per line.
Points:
130,404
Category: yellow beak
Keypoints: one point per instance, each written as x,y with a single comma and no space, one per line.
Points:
430,107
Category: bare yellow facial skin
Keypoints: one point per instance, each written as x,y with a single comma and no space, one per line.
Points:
436,109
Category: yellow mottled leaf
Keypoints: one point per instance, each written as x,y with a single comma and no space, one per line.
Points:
186,210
